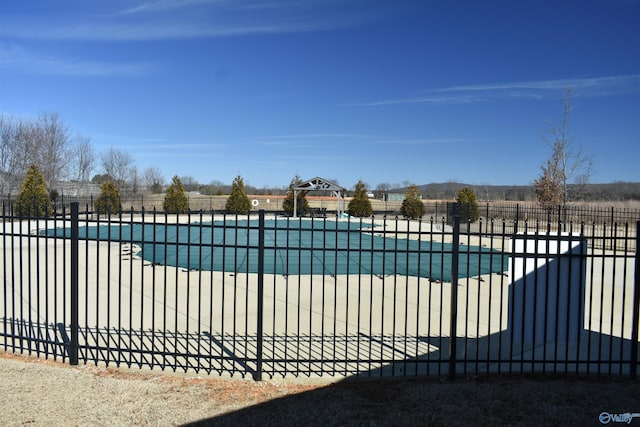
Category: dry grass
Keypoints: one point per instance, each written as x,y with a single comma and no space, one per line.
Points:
38,392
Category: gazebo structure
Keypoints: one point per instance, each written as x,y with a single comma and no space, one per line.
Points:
319,184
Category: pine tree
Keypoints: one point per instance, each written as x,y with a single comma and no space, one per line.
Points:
33,199
302,203
108,202
468,204
360,205
238,202
412,206
176,200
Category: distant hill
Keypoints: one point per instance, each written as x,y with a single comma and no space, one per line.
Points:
616,191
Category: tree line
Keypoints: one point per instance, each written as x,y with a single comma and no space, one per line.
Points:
61,155
33,200
46,142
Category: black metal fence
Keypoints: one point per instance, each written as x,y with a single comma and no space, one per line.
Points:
498,210
264,295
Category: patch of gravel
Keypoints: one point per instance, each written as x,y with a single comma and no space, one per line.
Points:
44,393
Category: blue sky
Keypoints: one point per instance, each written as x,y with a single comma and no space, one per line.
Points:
386,91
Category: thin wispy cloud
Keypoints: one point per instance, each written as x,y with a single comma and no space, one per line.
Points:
16,58
620,83
155,145
189,19
167,5
303,136
426,141
331,140
542,89
158,6
146,31
176,146
311,139
423,99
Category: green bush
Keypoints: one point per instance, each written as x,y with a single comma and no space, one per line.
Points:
467,205
360,205
238,202
412,206
108,202
33,199
302,204
176,201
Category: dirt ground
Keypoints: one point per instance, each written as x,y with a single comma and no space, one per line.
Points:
40,392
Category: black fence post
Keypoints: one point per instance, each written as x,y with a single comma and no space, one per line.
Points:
636,308
260,315
454,294
73,347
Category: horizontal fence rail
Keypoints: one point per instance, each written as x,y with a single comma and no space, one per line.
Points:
509,211
264,295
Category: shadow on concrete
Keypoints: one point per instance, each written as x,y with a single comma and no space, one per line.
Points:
545,334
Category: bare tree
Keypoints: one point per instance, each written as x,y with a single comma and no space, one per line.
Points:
118,165
18,139
153,179
453,187
45,142
383,187
52,148
190,183
84,158
567,164
216,187
134,180
7,138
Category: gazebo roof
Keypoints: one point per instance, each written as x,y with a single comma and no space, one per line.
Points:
319,184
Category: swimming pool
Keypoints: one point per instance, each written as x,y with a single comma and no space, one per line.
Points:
294,247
